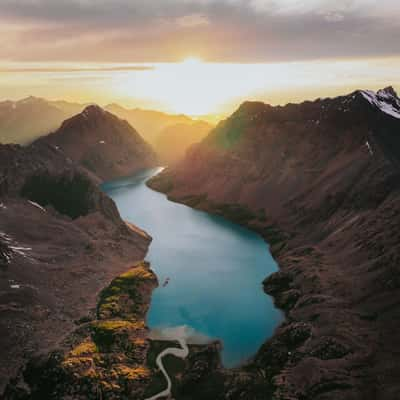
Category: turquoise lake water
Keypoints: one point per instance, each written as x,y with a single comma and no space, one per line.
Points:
215,270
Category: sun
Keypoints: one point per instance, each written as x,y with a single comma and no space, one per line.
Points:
192,61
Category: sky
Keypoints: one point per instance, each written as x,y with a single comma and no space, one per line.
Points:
196,56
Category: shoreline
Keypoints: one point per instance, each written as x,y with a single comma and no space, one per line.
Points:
316,327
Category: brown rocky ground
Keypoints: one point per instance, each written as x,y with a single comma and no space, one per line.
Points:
319,181
55,256
104,357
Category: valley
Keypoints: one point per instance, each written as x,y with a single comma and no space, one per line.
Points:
316,181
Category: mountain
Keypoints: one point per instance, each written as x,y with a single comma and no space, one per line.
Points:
102,143
25,120
149,123
69,108
170,135
320,181
174,140
62,241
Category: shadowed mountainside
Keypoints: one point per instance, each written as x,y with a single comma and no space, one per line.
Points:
320,181
102,143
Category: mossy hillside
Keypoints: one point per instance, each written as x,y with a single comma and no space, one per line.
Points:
107,357
69,195
107,375
117,336
128,296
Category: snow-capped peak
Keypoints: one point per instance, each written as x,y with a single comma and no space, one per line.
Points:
385,100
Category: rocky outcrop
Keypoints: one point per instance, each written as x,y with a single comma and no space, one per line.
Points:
320,181
102,358
61,242
102,143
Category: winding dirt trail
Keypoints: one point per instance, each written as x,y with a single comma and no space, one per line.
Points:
180,353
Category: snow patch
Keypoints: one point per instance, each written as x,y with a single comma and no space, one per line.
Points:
15,247
384,100
36,205
21,250
369,148
6,238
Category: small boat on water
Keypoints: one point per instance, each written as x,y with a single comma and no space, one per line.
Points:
166,282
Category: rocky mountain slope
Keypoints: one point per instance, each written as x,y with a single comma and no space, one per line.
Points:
320,181
61,242
102,143
25,120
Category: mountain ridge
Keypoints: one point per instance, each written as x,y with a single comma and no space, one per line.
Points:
28,119
106,145
325,176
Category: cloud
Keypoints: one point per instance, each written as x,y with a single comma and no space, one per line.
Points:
217,30
189,21
76,69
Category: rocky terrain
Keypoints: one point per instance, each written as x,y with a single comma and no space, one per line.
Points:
320,181
105,357
61,242
105,145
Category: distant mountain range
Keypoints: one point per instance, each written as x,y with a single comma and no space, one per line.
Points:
25,120
170,135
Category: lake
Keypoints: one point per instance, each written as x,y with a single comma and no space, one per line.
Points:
214,269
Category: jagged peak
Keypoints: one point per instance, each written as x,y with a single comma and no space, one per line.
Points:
388,91
93,109
386,100
250,107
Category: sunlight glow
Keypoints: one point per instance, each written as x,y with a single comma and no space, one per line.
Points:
193,86
192,61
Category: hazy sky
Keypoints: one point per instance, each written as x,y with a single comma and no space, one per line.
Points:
80,34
